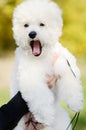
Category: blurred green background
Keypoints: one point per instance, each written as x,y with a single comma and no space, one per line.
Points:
73,38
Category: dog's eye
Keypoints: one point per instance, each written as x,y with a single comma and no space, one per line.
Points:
42,24
26,25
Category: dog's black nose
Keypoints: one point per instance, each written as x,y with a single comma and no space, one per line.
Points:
32,34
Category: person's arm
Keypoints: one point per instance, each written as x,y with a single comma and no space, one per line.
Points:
12,112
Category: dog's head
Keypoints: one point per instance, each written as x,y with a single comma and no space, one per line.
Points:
37,25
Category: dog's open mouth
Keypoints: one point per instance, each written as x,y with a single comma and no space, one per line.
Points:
36,47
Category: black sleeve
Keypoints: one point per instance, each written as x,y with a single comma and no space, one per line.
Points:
12,112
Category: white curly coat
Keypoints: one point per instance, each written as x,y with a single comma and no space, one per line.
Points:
30,72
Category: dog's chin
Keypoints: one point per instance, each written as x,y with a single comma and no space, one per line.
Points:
36,47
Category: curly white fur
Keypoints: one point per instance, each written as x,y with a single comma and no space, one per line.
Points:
30,72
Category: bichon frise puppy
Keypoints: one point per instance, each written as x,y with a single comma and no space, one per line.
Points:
45,72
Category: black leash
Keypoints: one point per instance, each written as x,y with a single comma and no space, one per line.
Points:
76,121
71,68
76,117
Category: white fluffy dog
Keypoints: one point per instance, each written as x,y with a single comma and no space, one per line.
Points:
45,72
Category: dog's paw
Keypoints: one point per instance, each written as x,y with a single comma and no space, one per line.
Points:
75,104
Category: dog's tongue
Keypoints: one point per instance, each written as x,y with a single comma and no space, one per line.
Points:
36,48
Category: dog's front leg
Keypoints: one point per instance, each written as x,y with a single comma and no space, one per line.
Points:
68,85
40,101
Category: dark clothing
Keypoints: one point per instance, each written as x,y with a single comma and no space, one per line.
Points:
12,112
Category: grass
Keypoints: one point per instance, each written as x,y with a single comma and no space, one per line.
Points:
4,95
